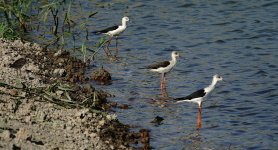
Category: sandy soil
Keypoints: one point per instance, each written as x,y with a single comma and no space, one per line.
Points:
31,119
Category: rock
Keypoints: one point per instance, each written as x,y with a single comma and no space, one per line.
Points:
111,117
31,76
101,75
33,68
24,109
101,122
59,93
68,128
22,94
18,43
5,135
27,45
37,47
14,92
58,53
27,119
41,116
87,88
59,72
93,135
157,120
123,106
22,134
86,132
145,137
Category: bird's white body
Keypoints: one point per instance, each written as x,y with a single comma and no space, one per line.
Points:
195,100
207,91
117,31
164,67
120,29
198,100
168,68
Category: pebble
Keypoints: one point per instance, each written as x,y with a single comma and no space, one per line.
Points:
27,119
101,122
58,53
5,135
59,72
59,93
111,117
93,135
22,134
33,68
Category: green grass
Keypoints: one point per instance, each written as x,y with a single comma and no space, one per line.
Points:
55,19
7,33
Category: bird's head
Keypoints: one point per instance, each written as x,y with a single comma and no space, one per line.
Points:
175,54
217,77
125,19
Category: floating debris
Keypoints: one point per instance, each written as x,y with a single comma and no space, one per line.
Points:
157,120
123,106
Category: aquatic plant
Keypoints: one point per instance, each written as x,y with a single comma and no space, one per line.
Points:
102,41
84,52
54,20
16,12
7,32
100,44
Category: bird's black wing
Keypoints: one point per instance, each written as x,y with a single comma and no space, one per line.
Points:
158,65
107,29
199,93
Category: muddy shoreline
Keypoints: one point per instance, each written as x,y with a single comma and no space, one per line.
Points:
46,103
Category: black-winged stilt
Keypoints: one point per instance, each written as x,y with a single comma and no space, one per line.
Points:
114,31
164,67
200,95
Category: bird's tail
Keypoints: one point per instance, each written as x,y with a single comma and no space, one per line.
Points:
180,101
96,32
143,68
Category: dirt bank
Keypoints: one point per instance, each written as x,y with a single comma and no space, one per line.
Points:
41,106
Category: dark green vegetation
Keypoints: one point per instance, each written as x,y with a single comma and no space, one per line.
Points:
50,23
7,32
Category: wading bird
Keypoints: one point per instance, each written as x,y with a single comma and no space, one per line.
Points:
114,31
163,68
200,95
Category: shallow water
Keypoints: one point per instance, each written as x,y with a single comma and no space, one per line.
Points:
238,40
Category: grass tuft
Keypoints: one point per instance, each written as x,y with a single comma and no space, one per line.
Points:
7,33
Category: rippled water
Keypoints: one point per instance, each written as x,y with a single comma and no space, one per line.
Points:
236,39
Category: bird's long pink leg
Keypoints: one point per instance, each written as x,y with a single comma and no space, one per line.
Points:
163,86
161,81
117,49
107,51
164,82
199,121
